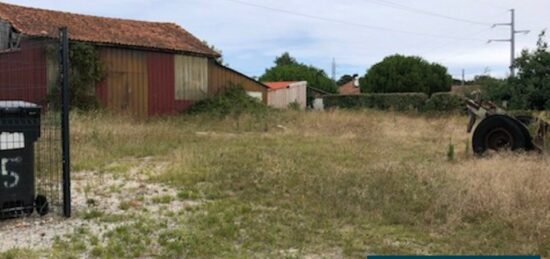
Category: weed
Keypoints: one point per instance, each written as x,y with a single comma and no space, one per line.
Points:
451,152
162,199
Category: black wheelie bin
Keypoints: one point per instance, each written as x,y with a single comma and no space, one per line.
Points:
19,130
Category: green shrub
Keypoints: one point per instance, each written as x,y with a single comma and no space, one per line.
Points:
343,101
233,101
399,74
295,106
444,102
393,101
397,101
85,73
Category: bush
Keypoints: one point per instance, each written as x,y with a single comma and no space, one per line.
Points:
444,102
85,73
396,101
233,101
343,101
397,74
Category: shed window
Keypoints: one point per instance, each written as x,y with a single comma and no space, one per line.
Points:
9,38
191,77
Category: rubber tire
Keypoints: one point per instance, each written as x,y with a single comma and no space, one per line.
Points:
525,119
42,205
498,121
526,134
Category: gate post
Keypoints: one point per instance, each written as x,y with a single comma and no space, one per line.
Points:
65,135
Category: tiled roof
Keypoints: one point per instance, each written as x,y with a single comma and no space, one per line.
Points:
277,85
110,31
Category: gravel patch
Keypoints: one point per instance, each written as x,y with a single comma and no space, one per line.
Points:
105,193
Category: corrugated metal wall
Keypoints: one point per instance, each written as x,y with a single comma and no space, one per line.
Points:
281,98
23,73
161,83
191,76
138,82
220,77
298,94
278,98
126,80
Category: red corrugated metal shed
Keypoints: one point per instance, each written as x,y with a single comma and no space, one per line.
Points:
161,83
138,57
23,74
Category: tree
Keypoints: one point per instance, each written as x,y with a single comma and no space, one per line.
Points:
288,69
285,59
531,87
492,88
344,80
400,74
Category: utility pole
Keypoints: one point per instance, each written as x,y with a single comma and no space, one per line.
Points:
463,77
512,39
333,69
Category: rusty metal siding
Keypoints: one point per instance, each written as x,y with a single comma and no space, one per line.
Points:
220,77
23,73
161,83
191,77
126,80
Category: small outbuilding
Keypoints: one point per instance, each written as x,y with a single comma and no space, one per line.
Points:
282,94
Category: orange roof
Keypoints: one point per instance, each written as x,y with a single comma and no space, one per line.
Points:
278,85
45,23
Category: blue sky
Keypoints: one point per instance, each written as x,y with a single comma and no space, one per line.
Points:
357,33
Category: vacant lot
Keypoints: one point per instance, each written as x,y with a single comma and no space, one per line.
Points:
292,184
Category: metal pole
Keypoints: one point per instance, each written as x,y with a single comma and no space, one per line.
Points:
513,43
512,39
65,133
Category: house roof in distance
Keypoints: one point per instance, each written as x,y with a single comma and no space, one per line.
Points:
101,30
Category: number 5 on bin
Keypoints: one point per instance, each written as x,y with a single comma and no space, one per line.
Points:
12,174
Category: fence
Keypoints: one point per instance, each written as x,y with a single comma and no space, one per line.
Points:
34,127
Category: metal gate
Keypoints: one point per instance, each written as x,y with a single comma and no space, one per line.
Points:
34,125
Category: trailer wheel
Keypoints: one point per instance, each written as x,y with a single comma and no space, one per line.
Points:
525,119
498,132
42,205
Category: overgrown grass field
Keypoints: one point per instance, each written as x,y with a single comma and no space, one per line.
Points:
307,184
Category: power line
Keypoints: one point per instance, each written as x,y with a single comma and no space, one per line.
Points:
337,21
425,12
497,6
452,43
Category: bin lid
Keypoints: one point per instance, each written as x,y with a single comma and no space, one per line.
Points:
17,105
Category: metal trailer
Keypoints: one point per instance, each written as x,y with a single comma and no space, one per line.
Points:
497,130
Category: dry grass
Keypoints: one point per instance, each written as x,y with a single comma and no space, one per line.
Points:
326,184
